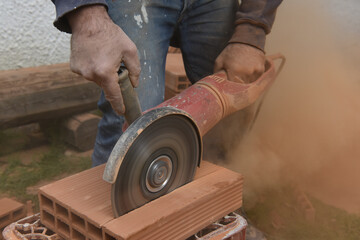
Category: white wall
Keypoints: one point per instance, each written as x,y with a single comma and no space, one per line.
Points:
28,38
27,35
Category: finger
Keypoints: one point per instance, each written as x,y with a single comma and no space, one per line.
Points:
235,77
252,76
132,63
113,93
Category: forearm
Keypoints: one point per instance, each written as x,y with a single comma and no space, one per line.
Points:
254,21
65,7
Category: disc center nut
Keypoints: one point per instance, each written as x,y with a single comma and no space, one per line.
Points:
158,173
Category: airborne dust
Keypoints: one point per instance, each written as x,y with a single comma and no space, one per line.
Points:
308,131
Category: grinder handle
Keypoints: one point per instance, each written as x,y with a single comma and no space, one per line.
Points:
130,97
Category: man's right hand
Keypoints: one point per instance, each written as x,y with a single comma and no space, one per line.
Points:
98,47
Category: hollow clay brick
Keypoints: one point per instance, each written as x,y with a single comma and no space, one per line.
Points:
10,211
175,74
82,201
80,206
183,212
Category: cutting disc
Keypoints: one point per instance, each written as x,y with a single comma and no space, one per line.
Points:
164,156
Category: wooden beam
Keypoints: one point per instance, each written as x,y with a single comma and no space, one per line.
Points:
46,92
80,130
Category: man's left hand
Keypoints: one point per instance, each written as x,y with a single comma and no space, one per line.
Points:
241,62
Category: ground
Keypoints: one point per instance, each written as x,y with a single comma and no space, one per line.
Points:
277,214
275,211
24,167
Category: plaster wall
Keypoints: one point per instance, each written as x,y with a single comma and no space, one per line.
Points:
27,35
28,38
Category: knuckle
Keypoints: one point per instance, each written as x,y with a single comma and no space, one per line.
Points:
131,49
81,70
74,68
105,86
136,71
87,73
102,73
217,62
259,69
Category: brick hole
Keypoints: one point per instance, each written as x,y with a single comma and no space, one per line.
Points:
109,237
18,213
191,238
46,203
48,232
4,218
207,230
183,79
63,228
48,219
77,235
61,211
77,221
94,231
182,86
26,232
232,214
35,231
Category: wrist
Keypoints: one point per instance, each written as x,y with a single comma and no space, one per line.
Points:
87,18
247,45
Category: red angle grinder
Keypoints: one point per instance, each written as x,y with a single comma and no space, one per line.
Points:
161,148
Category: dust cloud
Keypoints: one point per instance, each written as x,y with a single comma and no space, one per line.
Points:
308,131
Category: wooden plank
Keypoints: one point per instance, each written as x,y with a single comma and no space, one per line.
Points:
46,92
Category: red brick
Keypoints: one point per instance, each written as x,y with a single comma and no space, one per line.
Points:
183,212
79,206
175,75
10,211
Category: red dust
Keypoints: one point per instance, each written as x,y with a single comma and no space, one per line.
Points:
308,131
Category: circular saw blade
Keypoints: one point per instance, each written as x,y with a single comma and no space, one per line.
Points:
163,157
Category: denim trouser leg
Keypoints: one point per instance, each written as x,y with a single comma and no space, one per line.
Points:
204,31
201,27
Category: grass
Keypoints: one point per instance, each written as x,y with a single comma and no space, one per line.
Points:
330,223
13,140
16,176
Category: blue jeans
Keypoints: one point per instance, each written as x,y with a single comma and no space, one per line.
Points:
200,28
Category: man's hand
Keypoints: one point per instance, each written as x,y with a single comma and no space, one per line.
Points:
98,46
242,63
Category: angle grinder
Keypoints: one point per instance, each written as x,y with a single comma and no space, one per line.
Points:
162,147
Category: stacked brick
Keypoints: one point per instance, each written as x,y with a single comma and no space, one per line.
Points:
175,75
79,207
10,211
